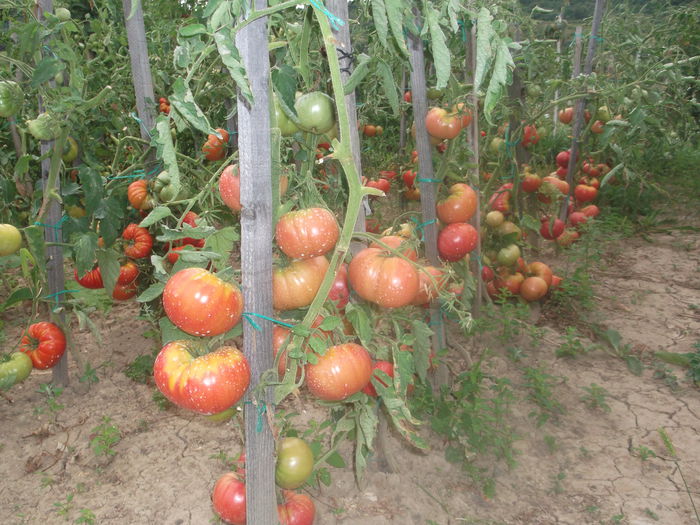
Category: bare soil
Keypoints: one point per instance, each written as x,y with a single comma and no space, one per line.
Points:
587,466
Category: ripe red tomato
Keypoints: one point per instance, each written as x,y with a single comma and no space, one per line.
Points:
384,366
442,125
387,174
411,194
295,462
304,234
464,113
533,289
142,241
124,292
456,240
566,115
561,185
409,178
551,229
127,273
512,283
369,130
341,372
407,97
459,206
339,293
568,237
230,187
585,193
383,279
200,303
531,182
577,218
295,285
591,210
91,280
380,184
563,158
541,270
530,136
500,200
228,499
138,196
215,148
205,383
427,289
398,243
297,509
45,343
597,127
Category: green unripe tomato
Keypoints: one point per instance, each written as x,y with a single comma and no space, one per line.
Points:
295,462
62,14
11,98
10,239
316,112
14,368
70,150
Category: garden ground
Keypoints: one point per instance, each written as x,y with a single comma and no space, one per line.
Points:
103,452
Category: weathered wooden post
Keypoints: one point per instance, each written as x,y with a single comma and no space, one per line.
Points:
255,162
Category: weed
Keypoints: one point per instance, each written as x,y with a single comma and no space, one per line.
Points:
617,518
104,436
160,400
595,397
664,373
141,368
572,345
574,294
47,481
89,375
643,452
551,443
585,453
557,482
539,385
620,350
229,461
63,508
86,516
651,514
52,393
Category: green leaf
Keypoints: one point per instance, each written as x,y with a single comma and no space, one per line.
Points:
22,165
381,24
358,74
157,214
212,5
108,261
611,174
84,252
484,54
192,30
37,247
85,321
324,476
395,12
166,151
284,81
46,70
441,54
634,365
391,90
224,39
360,322
19,295
151,293
501,76
421,348
335,460
404,369
530,222
222,243
330,323
169,332
92,184
182,100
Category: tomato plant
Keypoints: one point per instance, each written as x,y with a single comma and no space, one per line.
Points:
341,372
384,279
206,383
44,343
307,233
141,241
200,303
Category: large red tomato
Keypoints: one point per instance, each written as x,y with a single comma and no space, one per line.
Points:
530,136
442,125
428,278
456,240
128,273
531,182
141,244
381,278
500,200
585,193
138,196
228,499
91,280
460,206
533,289
297,509
551,229
207,384
566,115
341,372
304,234
398,243
200,303
230,187
295,286
45,343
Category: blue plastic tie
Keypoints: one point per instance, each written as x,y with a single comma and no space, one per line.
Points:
336,22
248,316
421,179
137,119
261,409
56,295
56,226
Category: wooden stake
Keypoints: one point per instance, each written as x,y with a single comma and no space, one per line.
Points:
255,162
475,138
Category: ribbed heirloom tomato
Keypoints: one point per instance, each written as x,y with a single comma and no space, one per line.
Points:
91,279
45,343
208,383
295,285
383,279
142,242
459,206
456,240
341,372
307,233
200,303
297,509
228,499
230,187
138,196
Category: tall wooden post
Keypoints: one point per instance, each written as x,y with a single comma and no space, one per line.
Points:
427,188
140,67
255,163
342,35
475,138
581,103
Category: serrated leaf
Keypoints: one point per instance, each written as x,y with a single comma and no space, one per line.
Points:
360,322
228,52
381,24
358,74
169,332
330,323
634,365
182,100
284,81
157,214
335,460
484,53
108,261
318,345
441,54
165,150
501,76
324,476
93,187
37,247
421,348
152,292
222,243
192,30
391,90
212,5
46,70
404,369
611,174
530,222
84,252
19,295
395,14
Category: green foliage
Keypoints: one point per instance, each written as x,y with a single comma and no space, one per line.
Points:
141,368
595,396
104,436
539,385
